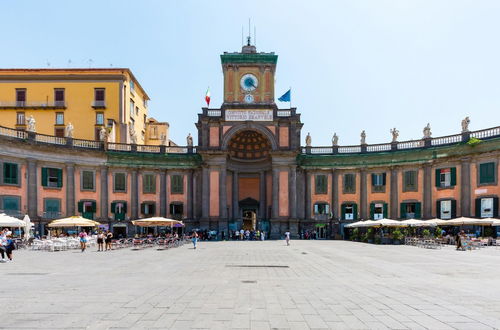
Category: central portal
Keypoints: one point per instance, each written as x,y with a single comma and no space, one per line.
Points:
249,219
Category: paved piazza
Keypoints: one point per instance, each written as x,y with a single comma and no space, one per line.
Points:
258,285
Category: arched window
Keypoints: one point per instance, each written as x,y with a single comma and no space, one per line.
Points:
321,208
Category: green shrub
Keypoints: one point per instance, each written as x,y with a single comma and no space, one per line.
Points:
370,233
426,233
437,232
473,141
354,234
397,235
488,231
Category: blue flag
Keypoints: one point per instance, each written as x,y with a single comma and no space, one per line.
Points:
286,97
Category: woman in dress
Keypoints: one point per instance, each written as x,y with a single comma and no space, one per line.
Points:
109,236
100,241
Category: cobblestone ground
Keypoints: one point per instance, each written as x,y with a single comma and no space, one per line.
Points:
258,285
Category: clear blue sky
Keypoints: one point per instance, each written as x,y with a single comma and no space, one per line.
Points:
352,65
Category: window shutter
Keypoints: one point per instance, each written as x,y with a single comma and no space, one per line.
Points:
373,179
383,179
5,172
438,181
80,207
478,207
385,209
453,175
372,210
438,209
44,176
453,208
355,211
152,209
94,206
59,178
113,207
403,210
342,211
143,208
495,206
418,210
124,207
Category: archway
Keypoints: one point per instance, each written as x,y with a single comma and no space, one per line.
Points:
249,145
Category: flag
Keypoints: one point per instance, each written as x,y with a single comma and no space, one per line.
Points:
286,97
207,96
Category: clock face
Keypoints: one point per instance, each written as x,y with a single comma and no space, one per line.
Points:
249,82
249,98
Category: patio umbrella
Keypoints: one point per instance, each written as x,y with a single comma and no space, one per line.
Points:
74,221
466,221
8,221
27,229
389,223
156,222
496,222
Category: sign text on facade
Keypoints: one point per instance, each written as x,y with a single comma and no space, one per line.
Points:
243,115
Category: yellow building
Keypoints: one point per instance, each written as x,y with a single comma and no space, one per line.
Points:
157,133
87,98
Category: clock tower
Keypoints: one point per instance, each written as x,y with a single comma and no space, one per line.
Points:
249,76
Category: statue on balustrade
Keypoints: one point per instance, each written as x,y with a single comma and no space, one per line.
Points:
395,134
68,132
103,134
465,124
31,124
335,140
133,136
163,139
308,140
427,131
363,137
189,140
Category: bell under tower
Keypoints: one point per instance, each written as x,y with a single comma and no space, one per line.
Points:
249,76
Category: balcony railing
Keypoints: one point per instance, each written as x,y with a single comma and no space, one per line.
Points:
98,104
33,105
13,213
51,215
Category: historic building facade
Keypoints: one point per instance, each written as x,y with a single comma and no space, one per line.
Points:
249,170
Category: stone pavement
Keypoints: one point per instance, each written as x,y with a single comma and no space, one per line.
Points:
257,285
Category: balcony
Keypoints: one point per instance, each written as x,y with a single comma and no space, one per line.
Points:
13,213
98,104
50,215
33,105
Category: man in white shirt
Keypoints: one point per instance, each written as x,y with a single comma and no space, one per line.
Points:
3,244
287,238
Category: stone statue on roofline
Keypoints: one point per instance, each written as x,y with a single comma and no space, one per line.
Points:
427,131
395,134
189,140
465,124
335,140
133,136
308,140
363,137
68,132
31,124
103,134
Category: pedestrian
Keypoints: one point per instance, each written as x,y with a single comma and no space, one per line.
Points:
3,244
100,241
262,235
107,240
11,246
287,238
83,240
195,239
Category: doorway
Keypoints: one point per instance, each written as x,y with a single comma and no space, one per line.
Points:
249,219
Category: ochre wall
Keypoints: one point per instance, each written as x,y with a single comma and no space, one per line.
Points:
214,193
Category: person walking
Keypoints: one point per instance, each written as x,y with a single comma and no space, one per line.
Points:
194,239
11,246
100,241
3,244
83,240
107,240
287,238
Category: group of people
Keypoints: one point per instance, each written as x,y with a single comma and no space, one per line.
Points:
102,239
247,235
7,245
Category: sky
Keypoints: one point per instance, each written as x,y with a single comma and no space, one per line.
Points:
352,65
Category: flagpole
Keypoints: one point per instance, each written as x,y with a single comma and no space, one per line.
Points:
290,97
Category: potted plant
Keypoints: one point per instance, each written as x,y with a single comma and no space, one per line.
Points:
426,233
370,234
354,234
437,232
397,236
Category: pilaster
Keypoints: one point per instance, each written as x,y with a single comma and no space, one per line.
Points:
465,187
32,189
393,202
70,189
104,193
427,192
363,200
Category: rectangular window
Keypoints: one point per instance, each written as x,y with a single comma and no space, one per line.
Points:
145,119
445,210
132,108
487,173
52,208
148,184
411,210
487,208
10,173
52,177
99,118
349,183
59,132
410,181
177,184
176,210
378,182
132,86
378,211
99,97
11,205
445,177
120,182
21,118
148,208
59,97
21,97
321,184
321,208
59,118
87,180
348,212
120,207
137,111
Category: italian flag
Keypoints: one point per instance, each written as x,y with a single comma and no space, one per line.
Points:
207,96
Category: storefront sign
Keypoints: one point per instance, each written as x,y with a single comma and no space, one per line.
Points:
244,115
481,191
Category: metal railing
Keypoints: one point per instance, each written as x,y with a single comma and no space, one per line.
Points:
98,104
25,104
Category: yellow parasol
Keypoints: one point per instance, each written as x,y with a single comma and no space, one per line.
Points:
156,222
74,221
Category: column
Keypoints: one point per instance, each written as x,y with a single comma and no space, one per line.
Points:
363,189
236,207
427,214
293,192
163,193
134,197
262,195
335,194
205,196
70,189
300,194
308,191
393,198
104,193
275,207
32,189
465,188
222,193
190,194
